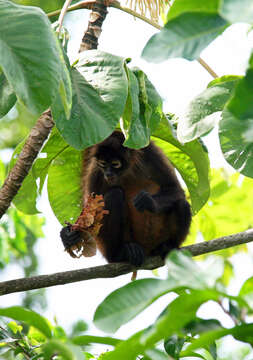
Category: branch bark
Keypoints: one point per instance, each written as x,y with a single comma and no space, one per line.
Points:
97,17
117,269
16,176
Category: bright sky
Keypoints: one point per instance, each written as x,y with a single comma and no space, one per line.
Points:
177,81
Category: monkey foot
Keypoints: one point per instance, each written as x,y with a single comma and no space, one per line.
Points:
133,253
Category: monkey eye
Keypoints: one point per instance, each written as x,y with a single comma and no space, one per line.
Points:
116,164
101,163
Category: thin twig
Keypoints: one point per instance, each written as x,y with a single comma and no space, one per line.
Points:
235,321
63,13
116,269
81,5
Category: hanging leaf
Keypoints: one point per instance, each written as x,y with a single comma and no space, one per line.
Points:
184,36
201,115
26,38
236,126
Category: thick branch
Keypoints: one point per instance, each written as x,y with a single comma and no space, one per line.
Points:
117,269
97,17
13,182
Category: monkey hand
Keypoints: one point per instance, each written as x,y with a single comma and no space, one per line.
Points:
144,201
69,237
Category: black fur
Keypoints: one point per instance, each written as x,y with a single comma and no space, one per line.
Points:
163,215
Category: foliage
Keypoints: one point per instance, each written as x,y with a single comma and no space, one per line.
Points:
90,98
176,328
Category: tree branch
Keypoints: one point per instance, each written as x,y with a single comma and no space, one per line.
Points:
117,269
16,176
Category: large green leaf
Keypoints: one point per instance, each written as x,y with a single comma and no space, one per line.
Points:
53,148
181,6
184,36
7,96
179,312
125,303
64,185
191,160
201,114
106,73
236,142
31,58
236,126
237,10
95,110
29,317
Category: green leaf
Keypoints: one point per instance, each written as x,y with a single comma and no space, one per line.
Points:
29,317
91,119
184,36
143,111
88,339
181,6
236,126
125,303
54,146
25,200
64,190
198,326
2,172
236,142
7,96
46,5
179,312
201,115
191,160
131,125
173,345
66,351
26,39
246,291
237,10
100,89
106,73
241,332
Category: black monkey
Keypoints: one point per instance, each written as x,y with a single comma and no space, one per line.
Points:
148,212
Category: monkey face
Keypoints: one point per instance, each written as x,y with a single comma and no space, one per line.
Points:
112,169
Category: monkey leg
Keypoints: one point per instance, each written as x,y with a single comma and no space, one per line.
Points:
115,232
181,213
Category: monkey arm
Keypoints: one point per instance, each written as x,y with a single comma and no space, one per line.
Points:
115,232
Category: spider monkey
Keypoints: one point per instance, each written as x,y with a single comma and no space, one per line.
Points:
148,212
